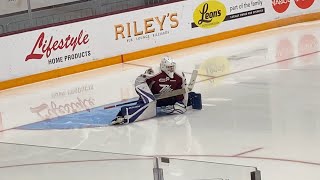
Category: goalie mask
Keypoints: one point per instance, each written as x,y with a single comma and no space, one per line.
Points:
168,66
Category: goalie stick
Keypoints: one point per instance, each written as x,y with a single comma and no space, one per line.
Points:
193,79
168,94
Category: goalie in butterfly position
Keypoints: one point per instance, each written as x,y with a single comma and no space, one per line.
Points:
166,89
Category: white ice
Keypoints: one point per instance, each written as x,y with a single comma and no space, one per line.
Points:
261,108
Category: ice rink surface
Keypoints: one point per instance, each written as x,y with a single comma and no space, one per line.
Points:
261,108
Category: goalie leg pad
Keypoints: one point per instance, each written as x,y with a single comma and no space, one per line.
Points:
137,112
145,93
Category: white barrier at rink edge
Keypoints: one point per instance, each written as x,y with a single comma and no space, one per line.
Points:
83,93
77,43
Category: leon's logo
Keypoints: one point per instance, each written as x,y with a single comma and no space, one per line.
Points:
209,14
45,47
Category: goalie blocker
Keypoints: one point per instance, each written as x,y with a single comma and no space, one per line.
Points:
165,89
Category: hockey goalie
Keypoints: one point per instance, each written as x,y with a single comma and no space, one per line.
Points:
165,90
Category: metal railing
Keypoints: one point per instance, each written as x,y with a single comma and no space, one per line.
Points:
17,15
23,161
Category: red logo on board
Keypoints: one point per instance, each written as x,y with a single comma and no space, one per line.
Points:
304,4
280,5
46,47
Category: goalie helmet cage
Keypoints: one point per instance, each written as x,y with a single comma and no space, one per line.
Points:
158,172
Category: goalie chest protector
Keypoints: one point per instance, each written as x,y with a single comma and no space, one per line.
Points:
163,83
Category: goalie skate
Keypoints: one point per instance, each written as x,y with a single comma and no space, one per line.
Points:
118,120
